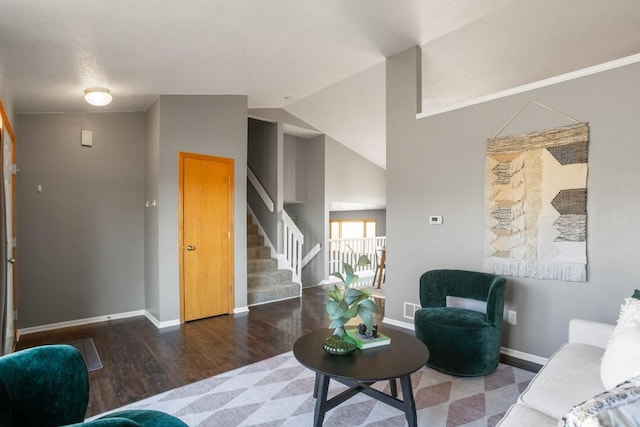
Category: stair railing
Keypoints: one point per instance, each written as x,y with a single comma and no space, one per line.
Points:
293,241
311,254
292,236
253,179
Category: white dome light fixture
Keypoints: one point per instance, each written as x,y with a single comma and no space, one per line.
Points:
97,96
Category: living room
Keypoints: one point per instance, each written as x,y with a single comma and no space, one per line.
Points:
435,166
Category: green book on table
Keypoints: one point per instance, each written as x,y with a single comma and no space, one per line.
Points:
364,343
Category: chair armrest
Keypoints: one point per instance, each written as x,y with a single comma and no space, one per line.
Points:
589,332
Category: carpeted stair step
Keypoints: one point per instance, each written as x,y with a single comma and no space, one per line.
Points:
262,265
255,240
258,252
265,283
267,278
273,293
252,230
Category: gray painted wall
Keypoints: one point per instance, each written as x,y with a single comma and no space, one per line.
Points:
81,240
435,165
313,214
380,215
295,169
262,158
352,179
7,98
210,125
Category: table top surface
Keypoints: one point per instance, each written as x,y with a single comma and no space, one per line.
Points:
404,355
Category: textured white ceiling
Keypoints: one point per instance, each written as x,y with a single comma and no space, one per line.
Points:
328,55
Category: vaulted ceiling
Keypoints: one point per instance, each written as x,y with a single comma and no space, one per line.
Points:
321,60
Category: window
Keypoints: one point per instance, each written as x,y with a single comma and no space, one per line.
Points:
352,228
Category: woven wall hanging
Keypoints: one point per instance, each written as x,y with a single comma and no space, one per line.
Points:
536,203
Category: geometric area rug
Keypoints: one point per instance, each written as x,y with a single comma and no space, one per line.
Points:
278,392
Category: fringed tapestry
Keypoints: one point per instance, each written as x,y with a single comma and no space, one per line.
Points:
536,192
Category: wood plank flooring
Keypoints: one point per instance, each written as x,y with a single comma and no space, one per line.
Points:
140,360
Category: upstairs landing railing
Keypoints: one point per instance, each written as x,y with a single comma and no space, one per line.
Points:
349,250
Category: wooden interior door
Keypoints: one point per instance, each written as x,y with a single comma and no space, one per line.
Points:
206,236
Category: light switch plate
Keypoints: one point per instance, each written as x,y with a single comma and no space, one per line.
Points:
86,138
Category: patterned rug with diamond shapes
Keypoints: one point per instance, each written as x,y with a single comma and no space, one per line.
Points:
279,392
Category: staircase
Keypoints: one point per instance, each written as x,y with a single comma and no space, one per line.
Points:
265,282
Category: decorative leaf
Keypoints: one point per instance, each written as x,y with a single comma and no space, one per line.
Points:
353,295
336,323
347,269
367,304
365,291
338,310
351,278
367,318
363,261
338,275
339,331
335,294
331,306
352,312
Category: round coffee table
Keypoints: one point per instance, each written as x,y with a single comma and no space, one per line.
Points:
359,370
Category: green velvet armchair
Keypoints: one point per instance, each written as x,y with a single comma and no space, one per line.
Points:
461,341
49,386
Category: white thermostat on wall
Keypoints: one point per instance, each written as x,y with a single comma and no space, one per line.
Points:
435,219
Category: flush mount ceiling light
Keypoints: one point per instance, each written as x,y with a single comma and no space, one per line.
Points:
97,96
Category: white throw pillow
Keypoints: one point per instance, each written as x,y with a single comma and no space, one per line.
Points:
629,314
620,359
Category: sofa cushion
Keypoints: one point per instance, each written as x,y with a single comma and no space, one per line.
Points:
520,415
619,406
620,360
569,377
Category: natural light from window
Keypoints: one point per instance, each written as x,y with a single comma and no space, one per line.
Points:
352,228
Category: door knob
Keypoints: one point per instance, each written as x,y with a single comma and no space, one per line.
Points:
11,261
191,248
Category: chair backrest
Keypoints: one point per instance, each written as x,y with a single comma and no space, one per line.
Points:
45,386
436,285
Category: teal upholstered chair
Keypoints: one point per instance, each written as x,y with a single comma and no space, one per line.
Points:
461,341
49,386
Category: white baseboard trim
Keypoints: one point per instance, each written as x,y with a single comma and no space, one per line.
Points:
79,322
161,325
240,310
399,323
503,350
523,356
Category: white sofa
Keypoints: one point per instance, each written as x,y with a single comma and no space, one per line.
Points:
571,376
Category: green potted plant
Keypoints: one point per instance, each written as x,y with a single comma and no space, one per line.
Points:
345,303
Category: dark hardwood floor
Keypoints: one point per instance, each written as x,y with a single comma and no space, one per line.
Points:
139,360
